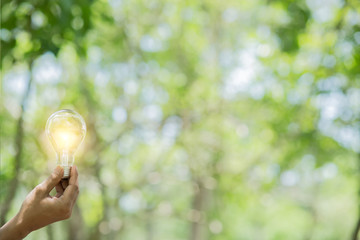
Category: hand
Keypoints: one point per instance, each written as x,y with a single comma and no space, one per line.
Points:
40,209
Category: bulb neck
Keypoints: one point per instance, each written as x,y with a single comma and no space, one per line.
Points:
66,160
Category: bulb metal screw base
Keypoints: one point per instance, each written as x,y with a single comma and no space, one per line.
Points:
66,172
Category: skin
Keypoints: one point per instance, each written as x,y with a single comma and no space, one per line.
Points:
40,209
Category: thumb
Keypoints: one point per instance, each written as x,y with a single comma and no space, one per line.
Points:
53,179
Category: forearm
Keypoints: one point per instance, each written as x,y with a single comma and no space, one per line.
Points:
13,230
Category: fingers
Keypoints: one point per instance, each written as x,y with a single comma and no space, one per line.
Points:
73,180
72,191
59,190
64,183
70,194
61,186
52,180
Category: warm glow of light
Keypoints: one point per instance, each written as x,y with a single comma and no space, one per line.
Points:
66,139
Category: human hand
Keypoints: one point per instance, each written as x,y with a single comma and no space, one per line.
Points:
40,209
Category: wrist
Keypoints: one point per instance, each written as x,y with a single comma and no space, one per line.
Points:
14,229
21,228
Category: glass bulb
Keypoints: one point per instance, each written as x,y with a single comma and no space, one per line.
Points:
66,130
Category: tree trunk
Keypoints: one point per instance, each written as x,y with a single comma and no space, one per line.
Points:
75,225
149,226
356,230
17,159
357,226
50,232
198,206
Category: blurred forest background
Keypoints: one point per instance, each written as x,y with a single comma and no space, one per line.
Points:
206,119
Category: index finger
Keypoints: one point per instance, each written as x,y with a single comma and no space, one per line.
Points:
52,180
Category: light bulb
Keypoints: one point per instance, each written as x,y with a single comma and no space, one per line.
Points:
66,130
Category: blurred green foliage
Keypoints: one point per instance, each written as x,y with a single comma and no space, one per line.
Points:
206,119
